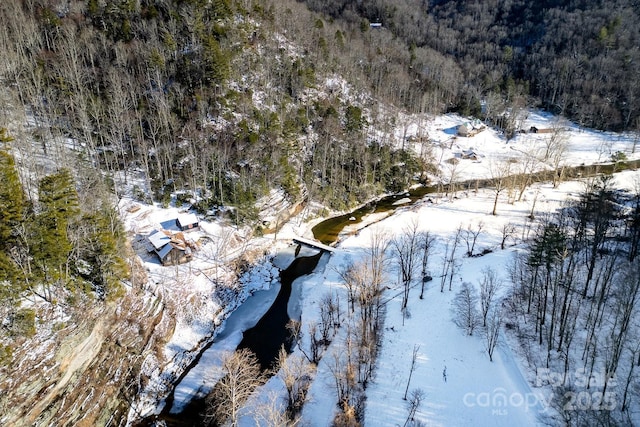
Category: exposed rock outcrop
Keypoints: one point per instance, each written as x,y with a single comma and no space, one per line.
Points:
83,374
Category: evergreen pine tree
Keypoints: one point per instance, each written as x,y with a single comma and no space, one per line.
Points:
11,214
547,247
11,197
58,206
106,244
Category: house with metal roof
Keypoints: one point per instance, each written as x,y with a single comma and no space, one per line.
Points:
171,248
187,222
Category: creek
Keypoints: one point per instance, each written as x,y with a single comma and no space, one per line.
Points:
328,231
264,339
267,336
270,333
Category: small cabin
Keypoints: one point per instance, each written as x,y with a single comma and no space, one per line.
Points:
464,129
157,240
187,222
471,128
171,248
471,155
174,254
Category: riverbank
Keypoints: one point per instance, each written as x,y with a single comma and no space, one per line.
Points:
428,323
208,285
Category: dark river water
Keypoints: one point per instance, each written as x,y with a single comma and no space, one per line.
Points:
264,339
328,230
270,333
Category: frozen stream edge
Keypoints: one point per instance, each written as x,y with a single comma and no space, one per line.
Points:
201,379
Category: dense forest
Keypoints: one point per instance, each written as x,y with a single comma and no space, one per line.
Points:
228,99
205,97
575,58
217,101
58,241
222,101
573,302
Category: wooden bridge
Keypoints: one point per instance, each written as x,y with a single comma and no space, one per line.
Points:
313,244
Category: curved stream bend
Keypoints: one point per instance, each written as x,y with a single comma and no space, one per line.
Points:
270,333
264,339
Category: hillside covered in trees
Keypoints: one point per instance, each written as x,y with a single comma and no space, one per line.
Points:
229,99
220,102
209,97
575,58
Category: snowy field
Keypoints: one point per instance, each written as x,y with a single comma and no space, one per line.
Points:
580,145
460,398
461,386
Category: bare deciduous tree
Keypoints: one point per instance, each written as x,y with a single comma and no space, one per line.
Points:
508,231
470,236
451,176
414,357
453,262
556,150
527,164
415,399
492,329
426,242
499,173
351,276
634,221
296,374
329,317
449,263
627,301
445,267
465,308
489,286
242,375
315,342
406,245
377,258
631,380
343,372
272,413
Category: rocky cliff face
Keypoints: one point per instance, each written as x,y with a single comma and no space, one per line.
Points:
86,370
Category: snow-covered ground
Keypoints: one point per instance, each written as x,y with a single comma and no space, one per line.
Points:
475,391
200,380
581,145
442,347
474,386
462,387
199,295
